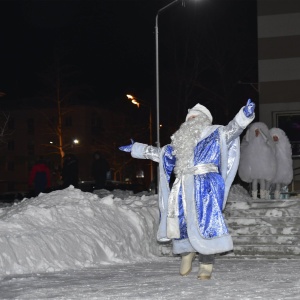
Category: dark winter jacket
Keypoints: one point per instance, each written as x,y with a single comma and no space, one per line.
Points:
40,178
70,171
100,168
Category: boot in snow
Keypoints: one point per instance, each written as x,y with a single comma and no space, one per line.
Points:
254,195
186,263
205,271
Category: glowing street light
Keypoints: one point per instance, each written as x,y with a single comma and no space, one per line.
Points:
133,100
138,103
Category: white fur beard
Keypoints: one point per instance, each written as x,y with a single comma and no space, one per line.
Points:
185,139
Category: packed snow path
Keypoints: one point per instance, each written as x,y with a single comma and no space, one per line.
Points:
159,279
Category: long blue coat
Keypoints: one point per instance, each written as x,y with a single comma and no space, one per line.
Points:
191,212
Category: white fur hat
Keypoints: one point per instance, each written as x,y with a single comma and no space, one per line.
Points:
197,109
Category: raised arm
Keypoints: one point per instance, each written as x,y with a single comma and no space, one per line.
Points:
242,119
142,151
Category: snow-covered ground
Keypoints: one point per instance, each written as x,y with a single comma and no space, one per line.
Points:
71,244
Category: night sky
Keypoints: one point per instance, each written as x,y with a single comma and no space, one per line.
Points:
110,43
108,49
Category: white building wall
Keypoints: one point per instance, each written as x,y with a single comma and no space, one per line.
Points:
278,25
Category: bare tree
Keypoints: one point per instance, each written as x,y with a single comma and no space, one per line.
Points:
61,91
4,132
111,138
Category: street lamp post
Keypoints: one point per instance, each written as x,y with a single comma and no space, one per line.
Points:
157,77
157,70
139,102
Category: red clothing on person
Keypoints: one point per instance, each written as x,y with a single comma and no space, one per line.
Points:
40,178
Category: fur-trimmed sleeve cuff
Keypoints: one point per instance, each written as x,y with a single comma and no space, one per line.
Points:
138,150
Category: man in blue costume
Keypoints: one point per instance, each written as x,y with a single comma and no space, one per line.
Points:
204,158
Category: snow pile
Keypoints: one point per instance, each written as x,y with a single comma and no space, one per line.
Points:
238,193
71,229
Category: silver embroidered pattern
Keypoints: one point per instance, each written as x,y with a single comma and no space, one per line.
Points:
151,152
232,130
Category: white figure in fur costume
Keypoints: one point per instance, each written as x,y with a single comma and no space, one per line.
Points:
204,158
284,161
258,162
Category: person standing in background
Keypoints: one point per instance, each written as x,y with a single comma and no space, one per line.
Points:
100,168
70,171
40,177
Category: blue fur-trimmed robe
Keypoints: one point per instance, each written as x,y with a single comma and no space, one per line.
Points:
191,212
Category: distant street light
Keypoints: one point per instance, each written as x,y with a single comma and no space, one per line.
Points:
133,100
139,102
75,142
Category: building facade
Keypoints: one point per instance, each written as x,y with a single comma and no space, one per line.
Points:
279,66
32,133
